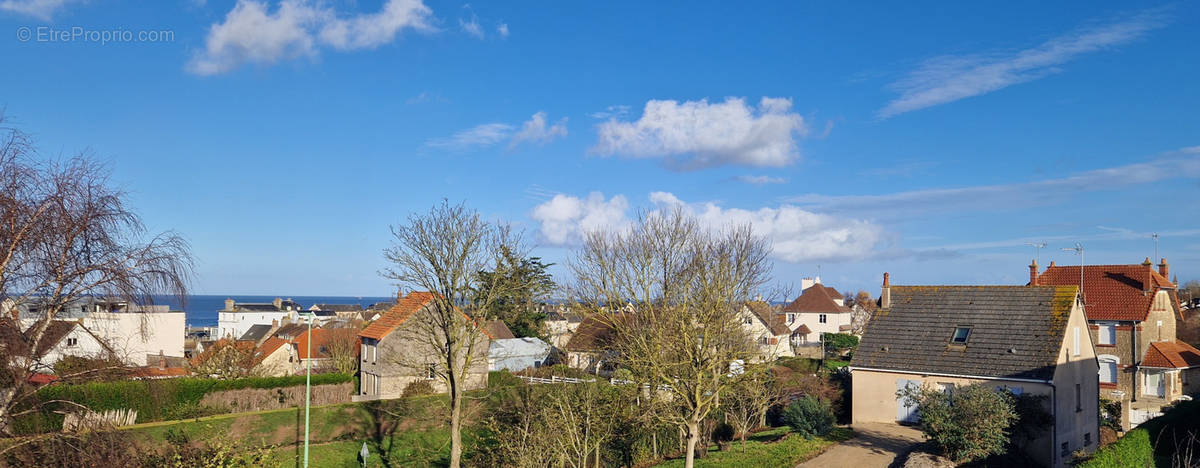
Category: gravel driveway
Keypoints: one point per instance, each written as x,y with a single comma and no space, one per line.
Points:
874,445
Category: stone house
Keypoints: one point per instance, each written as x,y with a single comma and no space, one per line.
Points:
1132,311
1021,339
394,354
767,330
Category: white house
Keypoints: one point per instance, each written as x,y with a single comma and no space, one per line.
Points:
235,319
819,309
768,331
62,338
132,332
517,354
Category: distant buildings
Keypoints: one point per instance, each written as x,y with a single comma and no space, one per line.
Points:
136,334
235,319
819,309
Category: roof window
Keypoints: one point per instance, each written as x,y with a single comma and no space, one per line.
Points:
960,335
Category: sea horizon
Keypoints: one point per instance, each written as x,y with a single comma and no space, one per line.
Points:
201,309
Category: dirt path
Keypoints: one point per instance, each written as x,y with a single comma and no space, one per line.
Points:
874,445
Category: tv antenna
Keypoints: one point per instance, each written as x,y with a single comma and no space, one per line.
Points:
1155,236
1078,249
1038,246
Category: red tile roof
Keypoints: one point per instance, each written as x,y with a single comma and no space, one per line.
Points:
268,347
320,337
1171,355
804,330
1113,292
816,299
405,307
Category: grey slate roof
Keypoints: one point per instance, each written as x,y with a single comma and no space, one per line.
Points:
255,333
1016,331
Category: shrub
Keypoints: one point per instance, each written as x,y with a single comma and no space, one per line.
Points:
809,417
1133,450
723,433
840,341
1110,414
417,388
967,424
503,378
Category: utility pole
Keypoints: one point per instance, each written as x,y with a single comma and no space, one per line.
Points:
1155,236
307,385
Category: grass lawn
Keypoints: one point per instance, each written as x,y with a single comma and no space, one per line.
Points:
834,364
763,450
408,448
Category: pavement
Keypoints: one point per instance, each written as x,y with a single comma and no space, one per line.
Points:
874,445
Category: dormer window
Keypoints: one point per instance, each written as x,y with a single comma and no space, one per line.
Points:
960,335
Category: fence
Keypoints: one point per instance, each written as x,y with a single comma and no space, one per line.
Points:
556,379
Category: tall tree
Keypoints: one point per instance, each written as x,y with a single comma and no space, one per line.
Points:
442,251
524,284
864,307
672,292
65,234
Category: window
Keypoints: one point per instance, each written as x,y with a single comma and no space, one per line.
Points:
431,372
791,318
363,351
1087,439
374,353
747,321
1076,343
762,341
1078,398
72,341
1107,333
961,334
822,318
1108,369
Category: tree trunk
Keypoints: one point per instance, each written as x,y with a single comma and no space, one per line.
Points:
693,436
455,425
6,395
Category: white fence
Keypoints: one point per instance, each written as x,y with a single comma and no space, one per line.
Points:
556,379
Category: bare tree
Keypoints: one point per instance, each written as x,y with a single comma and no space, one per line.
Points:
748,400
679,289
67,234
864,307
442,251
343,347
226,359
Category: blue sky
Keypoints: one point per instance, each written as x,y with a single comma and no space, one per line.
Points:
929,140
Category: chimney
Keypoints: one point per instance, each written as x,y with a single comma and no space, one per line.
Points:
278,303
1033,273
1051,263
230,304
1147,263
885,296
1163,268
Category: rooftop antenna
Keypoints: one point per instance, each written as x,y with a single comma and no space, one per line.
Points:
1078,249
1038,246
1155,236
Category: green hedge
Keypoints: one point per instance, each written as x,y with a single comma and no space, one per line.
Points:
156,400
1131,451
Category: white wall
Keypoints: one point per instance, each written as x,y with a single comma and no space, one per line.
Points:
833,323
85,345
164,332
234,324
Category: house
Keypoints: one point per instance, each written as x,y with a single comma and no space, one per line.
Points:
131,331
1022,339
516,354
590,347
62,338
312,347
235,319
341,311
394,351
767,330
498,330
257,333
1131,312
560,324
819,309
274,358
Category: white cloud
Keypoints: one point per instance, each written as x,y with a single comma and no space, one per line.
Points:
949,78
796,235
619,111
696,134
565,218
1182,163
535,130
471,27
475,137
760,179
253,33
40,9
502,29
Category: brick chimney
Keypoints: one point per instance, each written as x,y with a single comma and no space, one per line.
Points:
229,304
1163,268
1033,273
885,296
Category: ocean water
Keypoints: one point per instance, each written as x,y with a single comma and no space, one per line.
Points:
202,310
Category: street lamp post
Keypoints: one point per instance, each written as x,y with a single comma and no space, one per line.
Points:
307,385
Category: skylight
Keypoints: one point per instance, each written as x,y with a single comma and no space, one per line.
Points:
961,334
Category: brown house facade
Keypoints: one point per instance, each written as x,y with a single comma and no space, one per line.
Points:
1132,311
